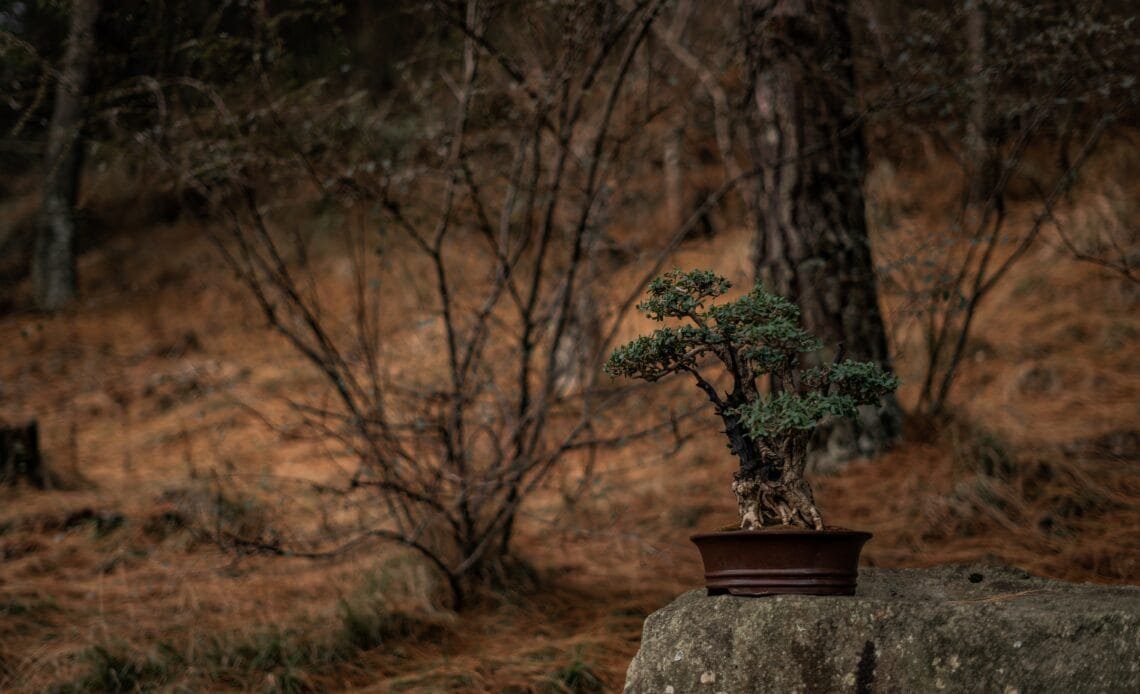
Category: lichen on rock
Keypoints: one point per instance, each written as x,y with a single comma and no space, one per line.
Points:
952,629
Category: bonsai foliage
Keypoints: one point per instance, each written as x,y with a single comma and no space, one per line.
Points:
755,336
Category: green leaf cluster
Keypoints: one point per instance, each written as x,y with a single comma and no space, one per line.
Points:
755,335
663,352
835,390
761,328
679,294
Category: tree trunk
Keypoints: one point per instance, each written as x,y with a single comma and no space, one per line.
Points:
982,168
811,241
770,487
20,455
787,501
674,179
53,262
752,463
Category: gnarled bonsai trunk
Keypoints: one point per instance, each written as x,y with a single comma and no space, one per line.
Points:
770,487
785,501
752,461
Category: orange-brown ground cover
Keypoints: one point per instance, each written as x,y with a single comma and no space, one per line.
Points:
147,392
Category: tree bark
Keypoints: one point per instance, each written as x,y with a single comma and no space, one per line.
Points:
982,169
674,178
811,242
20,455
53,261
787,501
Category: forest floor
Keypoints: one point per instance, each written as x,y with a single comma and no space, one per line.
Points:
148,393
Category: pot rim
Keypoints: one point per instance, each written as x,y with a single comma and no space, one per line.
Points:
790,532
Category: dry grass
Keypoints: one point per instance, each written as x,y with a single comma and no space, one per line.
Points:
140,389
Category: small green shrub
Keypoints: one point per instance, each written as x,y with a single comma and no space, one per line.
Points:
118,669
578,677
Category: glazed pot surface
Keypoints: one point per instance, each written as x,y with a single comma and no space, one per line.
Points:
781,561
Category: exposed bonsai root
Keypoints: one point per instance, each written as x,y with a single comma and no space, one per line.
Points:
765,504
805,506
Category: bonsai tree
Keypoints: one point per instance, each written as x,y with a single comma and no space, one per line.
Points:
757,335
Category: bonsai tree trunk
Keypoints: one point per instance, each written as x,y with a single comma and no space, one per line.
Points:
770,487
811,242
53,261
787,501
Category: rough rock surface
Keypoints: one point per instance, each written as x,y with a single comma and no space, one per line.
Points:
953,629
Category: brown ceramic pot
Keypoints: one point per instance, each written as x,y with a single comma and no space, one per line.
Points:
781,561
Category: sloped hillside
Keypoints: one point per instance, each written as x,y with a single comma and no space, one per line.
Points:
157,397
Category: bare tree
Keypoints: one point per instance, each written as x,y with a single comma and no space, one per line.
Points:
53,262
1032,76
453,423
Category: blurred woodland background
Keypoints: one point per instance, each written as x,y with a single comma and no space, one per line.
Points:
307,301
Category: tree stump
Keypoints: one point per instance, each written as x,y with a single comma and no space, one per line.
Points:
20,455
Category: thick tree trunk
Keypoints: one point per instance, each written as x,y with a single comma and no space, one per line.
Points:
752,463
811,240
770,487
786,501
772,490
53,261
